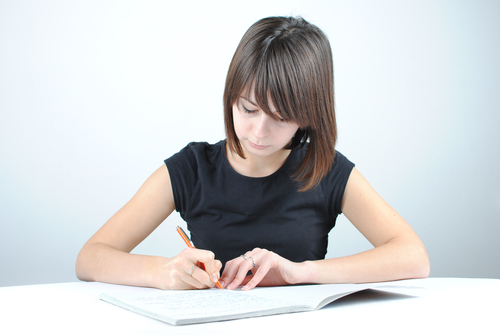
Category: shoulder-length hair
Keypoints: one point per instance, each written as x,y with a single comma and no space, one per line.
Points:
289,61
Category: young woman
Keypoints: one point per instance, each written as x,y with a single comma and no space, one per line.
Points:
260,204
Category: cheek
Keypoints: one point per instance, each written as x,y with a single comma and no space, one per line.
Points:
283,136
237,123
290,131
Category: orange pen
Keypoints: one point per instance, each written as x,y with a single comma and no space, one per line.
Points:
191,245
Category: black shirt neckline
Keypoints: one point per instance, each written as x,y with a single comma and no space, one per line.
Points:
256,179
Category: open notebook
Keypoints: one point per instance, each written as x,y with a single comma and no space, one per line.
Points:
188,307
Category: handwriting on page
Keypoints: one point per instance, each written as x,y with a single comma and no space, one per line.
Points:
205,303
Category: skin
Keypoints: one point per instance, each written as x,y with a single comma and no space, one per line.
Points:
261,137
398,253
106,256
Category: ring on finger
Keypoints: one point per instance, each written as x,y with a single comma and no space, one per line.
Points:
253,260
244,257
191,272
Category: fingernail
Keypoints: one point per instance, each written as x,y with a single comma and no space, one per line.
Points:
214,278
244,288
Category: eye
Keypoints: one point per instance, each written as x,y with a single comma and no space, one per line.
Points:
280,119
245,109
248,110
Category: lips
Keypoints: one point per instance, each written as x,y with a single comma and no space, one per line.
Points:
258,147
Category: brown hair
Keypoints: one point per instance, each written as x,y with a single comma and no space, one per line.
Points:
289,61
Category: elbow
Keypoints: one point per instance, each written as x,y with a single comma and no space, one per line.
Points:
425,269
421,267
80,268
422,271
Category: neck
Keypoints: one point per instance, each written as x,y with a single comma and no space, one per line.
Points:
256,166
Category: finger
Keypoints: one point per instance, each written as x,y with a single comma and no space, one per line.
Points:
196,278
228,275
215,275
257,277
212,268
199,255
204,277
230,270
181,277
204,261
268,261
244,265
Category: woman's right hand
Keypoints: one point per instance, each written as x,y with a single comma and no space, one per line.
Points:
185,271
107,257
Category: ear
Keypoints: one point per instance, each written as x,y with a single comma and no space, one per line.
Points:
299,139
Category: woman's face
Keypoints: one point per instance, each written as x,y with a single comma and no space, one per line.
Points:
259,133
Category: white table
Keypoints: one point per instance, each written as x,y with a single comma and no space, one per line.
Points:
442,306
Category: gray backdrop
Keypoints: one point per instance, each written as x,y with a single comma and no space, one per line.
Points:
95,94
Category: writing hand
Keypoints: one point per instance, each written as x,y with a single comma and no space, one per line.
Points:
268,269
190,269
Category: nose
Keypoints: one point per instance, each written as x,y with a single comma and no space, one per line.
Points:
261,127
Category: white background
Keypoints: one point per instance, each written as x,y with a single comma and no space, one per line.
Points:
95,94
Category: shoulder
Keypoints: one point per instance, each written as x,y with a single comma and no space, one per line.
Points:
334,184
194,163
340,171
197,153
340,162
194,148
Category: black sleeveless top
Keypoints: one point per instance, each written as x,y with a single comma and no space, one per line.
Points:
231,214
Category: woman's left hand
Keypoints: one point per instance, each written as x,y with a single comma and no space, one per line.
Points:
268,269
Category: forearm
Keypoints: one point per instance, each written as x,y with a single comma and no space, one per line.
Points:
397,259
100,262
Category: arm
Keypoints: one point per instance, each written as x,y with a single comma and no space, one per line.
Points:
398,253
106,256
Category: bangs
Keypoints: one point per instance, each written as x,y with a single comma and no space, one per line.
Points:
273,78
